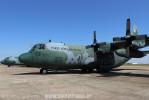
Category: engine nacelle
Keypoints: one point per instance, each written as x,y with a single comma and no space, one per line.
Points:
133,53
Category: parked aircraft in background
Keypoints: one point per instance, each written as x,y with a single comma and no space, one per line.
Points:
11,61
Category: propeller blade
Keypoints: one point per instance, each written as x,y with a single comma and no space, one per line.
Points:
128,52
128,27
94,38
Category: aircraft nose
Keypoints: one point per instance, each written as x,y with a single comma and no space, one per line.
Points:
2,62
26,58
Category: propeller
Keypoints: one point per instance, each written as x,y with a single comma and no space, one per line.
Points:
130,40
128,27
128,35
95,41
95,46
131,43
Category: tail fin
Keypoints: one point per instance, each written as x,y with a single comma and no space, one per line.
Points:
134,31
139,43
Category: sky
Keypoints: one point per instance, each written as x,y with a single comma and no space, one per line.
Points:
24,23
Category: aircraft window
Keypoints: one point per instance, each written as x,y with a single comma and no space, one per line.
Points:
42,46
38,46
33,48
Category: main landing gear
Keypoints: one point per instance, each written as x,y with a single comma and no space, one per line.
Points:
104,69
87,70
43,71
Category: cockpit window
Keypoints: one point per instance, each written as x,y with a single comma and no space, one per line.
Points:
38,46
42,46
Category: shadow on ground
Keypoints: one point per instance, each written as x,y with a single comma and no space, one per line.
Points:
113,73
57,72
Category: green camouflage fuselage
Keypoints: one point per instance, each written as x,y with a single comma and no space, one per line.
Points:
67,56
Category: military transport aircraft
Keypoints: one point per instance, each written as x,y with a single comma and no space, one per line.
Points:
100,56
11,61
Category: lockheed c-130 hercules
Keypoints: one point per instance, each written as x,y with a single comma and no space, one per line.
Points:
100,56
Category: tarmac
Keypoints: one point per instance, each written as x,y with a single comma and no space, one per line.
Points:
123,83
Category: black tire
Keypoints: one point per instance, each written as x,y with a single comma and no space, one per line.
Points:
104,70
90,70
83,70
43,71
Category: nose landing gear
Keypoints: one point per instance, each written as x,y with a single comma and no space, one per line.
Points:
43,71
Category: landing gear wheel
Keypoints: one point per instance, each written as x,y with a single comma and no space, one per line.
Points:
87,70
43,71
83,70
90,70
104,70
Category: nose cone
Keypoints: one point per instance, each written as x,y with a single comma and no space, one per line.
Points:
8,61
2,62
26,58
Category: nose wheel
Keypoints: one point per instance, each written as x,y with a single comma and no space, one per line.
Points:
43,71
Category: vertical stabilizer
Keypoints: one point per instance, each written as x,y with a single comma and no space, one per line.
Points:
134,30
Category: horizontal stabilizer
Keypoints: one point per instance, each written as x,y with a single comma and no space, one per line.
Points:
145,52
